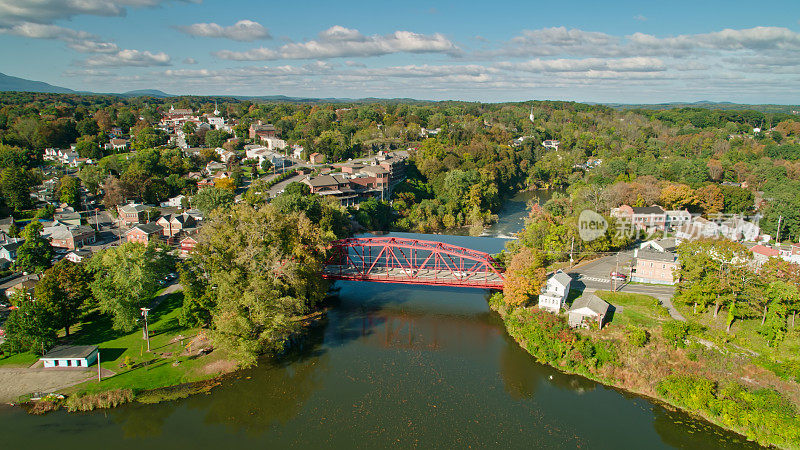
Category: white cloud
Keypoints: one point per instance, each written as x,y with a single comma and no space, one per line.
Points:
635,64
47,11
77,40
640,18
339,41
243,30
125,58
189,61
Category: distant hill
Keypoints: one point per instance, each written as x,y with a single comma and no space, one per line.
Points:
146,93
16,84
766,108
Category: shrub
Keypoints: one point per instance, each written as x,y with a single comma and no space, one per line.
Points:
763,415
107,399
636,336
675,333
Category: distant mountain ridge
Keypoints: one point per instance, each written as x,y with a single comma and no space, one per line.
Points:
16,84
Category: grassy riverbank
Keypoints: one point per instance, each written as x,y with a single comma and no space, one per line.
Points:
179,356
687,366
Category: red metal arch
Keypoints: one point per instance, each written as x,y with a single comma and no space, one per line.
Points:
411,261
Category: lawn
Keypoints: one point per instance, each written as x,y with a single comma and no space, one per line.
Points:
19,360
135,368
125,354
635,309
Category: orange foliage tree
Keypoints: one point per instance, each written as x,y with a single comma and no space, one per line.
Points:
525,276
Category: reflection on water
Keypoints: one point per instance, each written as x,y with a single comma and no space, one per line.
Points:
391,365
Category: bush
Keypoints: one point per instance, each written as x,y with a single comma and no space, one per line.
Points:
763,415
675,333
636,336
107,399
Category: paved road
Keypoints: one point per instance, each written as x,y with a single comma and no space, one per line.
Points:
274,190
594,275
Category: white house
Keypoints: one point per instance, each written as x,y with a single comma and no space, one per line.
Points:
174,202
677,218
551,143
274,143
297,152
555,292
225,155
70,356
78,255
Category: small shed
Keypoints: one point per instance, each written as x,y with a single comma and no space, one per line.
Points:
587,309
70,356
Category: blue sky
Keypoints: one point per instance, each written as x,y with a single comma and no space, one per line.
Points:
621,51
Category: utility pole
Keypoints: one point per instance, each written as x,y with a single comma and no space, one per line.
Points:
572,245
778,235
145,330
98,366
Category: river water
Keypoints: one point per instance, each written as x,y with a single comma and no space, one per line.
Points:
392,365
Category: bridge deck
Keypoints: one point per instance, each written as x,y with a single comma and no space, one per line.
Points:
433,277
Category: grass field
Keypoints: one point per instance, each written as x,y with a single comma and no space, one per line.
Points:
19,360
125,354
635,309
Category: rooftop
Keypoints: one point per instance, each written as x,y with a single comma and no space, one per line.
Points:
70,351
593,302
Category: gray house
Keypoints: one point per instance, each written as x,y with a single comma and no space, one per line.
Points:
587,309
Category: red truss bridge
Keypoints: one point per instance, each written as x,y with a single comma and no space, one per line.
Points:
411,261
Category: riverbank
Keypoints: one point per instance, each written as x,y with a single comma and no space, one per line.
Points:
635,354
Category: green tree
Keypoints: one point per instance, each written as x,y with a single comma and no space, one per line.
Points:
15,186
210,198
70,191
29,327
35,253
264,268
63,291
127,278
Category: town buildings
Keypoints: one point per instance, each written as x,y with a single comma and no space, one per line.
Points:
643,218
133,213
653,266
143,232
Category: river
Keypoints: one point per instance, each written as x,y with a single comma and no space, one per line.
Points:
392,365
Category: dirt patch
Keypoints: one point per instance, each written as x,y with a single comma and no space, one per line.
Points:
15,382
220,367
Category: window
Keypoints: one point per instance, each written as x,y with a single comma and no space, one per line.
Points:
55,363
69,363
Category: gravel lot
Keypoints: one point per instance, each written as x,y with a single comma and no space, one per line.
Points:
17,381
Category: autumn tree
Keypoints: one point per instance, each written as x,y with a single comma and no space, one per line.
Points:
525,276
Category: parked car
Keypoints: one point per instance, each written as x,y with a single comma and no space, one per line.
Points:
618,276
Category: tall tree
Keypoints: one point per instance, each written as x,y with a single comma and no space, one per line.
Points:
35,253
16,189
70,191
264,268
127,278
63,292
29,326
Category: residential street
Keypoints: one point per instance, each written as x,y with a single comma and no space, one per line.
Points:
595,275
